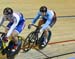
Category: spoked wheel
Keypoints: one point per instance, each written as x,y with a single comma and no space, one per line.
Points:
28,42
2,34
42,39
11,54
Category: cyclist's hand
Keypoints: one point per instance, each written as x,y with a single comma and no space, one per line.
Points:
29,26
5,39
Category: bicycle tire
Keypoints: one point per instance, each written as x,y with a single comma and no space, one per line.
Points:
1,44
40,43
28,44
11,55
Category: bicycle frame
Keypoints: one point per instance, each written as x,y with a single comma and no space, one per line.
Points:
36,31
33,40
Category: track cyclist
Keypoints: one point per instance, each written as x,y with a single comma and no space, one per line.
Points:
15,26
47,19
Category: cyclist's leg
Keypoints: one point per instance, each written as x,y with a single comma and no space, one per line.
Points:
41,21
17,31
45,31
45,37
14,36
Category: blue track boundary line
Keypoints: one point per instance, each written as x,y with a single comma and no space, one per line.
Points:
70,16
50,57
60,55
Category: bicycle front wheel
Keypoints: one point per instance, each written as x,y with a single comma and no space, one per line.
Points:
28,42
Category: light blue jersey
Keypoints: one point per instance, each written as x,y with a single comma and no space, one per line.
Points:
48,18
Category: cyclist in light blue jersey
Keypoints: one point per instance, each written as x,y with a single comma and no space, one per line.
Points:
47,19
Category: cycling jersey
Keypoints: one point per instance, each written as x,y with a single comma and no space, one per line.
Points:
48,17
16,22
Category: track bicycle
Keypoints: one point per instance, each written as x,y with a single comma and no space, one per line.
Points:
33,39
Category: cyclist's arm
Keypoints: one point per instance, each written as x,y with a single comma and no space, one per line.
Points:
16,21
36,18
2,20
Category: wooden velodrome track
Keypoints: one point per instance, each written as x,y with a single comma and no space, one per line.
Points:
63,32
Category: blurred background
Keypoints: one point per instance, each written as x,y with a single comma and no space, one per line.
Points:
64,29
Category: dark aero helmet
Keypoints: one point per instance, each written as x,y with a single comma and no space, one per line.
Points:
43,9
7,11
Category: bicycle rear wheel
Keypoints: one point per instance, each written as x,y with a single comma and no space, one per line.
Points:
41,39
28,42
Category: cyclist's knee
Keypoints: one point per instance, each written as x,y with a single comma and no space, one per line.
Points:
46,31
14,37
14,34
40,22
